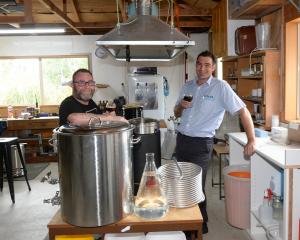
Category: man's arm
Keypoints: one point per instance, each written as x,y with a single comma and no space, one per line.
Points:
249,129
82,119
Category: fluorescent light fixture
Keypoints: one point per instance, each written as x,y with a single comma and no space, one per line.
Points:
32,31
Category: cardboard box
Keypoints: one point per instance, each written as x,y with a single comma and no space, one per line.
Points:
294,132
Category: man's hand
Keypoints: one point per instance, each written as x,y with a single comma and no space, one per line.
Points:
249,149
185,104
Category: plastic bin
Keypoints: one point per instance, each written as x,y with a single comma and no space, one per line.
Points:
237,195
124,236
171,235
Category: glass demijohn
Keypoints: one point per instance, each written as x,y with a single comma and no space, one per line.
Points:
151,201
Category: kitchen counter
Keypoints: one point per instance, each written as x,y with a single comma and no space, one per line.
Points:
271,150
273,166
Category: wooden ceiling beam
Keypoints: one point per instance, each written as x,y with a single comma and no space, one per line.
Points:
195,24
61,15
11,19
189,12
74,4
122,10
95,25
27,11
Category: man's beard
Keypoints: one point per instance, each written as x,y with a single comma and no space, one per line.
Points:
84,95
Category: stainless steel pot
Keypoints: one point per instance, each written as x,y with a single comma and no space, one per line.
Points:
95,169
145,125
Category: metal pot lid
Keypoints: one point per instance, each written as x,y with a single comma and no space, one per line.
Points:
99,128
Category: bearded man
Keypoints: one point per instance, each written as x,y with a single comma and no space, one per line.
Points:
79,108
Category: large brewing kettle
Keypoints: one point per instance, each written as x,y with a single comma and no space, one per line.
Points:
95,170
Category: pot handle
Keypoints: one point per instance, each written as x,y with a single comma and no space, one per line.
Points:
178,167
51,140
135,140
96,124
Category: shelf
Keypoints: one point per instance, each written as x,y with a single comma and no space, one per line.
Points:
102,85
257,77
232,78
253,99
256,9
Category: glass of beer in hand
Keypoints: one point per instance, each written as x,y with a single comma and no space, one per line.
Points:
188,98
110,107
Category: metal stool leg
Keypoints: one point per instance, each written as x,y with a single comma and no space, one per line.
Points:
23,165
220,177
1,168
8,167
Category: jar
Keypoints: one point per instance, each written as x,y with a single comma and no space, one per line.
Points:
277,205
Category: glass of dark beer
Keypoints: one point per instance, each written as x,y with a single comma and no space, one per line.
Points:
110,107
188,98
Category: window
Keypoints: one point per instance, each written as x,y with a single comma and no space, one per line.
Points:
298,82
25,80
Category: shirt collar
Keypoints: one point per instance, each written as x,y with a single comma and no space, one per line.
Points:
207,82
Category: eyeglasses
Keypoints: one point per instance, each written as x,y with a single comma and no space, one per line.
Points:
83,83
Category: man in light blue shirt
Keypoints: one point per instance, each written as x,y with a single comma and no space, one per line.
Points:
201,105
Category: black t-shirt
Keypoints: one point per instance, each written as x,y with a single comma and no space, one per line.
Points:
71,105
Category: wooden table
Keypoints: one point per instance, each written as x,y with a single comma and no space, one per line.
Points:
177,219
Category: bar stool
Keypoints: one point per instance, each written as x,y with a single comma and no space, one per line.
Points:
5,153
219,150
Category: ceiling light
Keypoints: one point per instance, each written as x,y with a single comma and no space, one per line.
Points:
32,31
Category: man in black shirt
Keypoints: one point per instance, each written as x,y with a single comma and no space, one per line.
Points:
79,108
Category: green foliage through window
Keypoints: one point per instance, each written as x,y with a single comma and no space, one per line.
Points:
24,80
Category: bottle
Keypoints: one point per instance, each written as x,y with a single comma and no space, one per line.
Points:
10,111
265,211
151,201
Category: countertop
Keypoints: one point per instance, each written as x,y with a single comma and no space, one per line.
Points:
34,123
274,152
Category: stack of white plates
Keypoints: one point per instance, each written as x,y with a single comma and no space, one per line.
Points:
182,191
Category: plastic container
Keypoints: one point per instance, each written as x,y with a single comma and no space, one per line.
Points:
237,195
262,32
124,236
171,235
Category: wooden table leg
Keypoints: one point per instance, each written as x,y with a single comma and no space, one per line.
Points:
200,232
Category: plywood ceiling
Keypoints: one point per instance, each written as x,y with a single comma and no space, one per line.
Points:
98,16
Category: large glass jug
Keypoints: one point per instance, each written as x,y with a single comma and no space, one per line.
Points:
151,201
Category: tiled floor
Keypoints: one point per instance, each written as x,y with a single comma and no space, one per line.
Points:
28,217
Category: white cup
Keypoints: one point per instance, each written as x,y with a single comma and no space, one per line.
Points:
259,92
254,92
275,121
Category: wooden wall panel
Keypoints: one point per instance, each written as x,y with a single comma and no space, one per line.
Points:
219,29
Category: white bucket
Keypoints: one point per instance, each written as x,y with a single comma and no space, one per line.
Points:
262,31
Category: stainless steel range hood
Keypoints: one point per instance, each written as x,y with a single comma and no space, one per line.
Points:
146,38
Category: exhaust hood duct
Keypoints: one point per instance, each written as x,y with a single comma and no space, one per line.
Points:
145,38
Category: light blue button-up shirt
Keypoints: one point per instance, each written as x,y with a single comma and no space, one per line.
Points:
210,101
